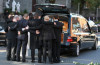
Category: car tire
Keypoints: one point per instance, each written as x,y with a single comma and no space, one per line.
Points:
95,47
77,50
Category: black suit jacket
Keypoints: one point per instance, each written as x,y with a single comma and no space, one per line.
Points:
22,24
12,32
58,30
34,24
48,31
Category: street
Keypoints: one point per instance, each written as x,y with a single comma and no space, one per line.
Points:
86,56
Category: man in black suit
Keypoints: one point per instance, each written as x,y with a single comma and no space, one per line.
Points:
22,37
57,42
12,39
48,36
34,29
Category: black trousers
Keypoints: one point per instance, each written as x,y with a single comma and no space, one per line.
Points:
23,44
33,46
56,50
35,41
47,45
33,54
40,48
39,54
11,48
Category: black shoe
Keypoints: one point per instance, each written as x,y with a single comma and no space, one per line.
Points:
8,59
51,62
33,61
54,61
23,60
18,60
39,62
44,61
58,61
14,59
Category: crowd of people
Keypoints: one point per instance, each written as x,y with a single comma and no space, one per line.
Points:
44,36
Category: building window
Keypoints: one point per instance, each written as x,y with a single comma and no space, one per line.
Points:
50,1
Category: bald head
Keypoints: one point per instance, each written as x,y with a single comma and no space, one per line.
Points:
46,18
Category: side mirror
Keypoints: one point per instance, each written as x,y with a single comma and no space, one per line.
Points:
94,29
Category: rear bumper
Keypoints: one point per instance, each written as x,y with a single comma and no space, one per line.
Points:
70,47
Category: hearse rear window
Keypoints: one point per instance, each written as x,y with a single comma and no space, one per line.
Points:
63,19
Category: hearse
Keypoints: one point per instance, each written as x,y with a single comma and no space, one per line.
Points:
76,34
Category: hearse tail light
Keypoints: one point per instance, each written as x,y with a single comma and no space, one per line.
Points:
69,39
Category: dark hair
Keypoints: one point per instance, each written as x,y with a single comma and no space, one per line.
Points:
36,15
11,18
30,16
56,16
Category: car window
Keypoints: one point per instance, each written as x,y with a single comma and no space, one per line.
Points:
83,24
76,25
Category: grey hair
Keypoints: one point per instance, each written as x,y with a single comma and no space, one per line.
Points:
20,17
16,16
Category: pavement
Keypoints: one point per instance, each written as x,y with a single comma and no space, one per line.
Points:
86,56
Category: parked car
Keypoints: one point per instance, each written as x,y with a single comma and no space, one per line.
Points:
2,36
76,33
98,27
93,26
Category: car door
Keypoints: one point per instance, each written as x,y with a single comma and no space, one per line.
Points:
86,38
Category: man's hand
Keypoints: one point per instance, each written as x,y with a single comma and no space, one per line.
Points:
54,23
19,33
27,27
37,32
8,28
23,29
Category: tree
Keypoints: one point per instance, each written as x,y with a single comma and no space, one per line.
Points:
79,3
91,4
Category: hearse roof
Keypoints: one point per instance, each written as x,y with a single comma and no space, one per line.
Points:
52,8
76,15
